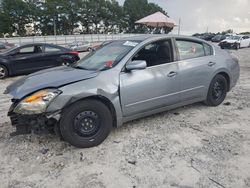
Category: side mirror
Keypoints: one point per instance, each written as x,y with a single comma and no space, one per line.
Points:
136,65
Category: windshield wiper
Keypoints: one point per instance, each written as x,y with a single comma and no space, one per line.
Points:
80,67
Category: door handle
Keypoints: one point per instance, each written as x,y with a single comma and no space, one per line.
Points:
210,64
172,74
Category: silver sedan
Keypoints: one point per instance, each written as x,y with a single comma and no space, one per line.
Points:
80,46
122,81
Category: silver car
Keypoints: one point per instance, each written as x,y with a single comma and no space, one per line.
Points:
122,81
80,46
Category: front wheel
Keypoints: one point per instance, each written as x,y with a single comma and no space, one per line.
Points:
3,72
217,91
86,124
237,46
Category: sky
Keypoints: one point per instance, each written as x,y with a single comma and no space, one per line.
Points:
198,16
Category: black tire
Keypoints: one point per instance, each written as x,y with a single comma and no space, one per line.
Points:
237,46
74,122
3,72
217,91
66,62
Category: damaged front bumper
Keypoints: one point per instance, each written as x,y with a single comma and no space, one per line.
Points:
228,45
37,123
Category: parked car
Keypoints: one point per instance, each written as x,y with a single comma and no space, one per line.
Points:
122,81
236,42
218,38
80,46
33,57
208,37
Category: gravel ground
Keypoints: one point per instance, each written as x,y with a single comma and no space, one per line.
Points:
192,146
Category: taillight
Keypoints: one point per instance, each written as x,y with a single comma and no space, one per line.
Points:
75,53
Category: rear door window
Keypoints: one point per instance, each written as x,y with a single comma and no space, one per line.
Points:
208,49
26,50
190,49
52,49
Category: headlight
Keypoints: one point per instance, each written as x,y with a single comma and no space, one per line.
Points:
36,103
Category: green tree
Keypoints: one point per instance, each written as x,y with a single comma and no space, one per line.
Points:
137,9
15,14
95,16
63,12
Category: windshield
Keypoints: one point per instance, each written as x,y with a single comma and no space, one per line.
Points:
8,49
235,37
107,56
218,36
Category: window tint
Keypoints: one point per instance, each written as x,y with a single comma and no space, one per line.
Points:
208,49
25,50
156,53
245,37
189,49
51,49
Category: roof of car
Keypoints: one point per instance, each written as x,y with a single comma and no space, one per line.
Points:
159,36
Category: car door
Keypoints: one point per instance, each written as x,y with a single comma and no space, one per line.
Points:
245,41
197,64
52,56
26,59
154,87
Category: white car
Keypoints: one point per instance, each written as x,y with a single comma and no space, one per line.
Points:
236,42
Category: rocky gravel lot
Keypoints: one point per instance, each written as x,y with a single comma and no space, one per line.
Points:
193,146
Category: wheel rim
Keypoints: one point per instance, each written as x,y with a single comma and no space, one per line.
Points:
65,63
2,72
86,124
218,90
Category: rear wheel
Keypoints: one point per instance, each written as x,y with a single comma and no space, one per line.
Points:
86,123
65,63
217,91
3,72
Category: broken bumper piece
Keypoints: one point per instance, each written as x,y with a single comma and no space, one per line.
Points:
27,124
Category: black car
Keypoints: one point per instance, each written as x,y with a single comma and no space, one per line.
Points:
34,57
219,38
208,37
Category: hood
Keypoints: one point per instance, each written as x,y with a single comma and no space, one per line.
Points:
230,41
49,78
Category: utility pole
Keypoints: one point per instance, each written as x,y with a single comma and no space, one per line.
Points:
54,20
179,26
54,17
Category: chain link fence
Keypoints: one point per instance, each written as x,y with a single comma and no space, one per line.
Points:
66,39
